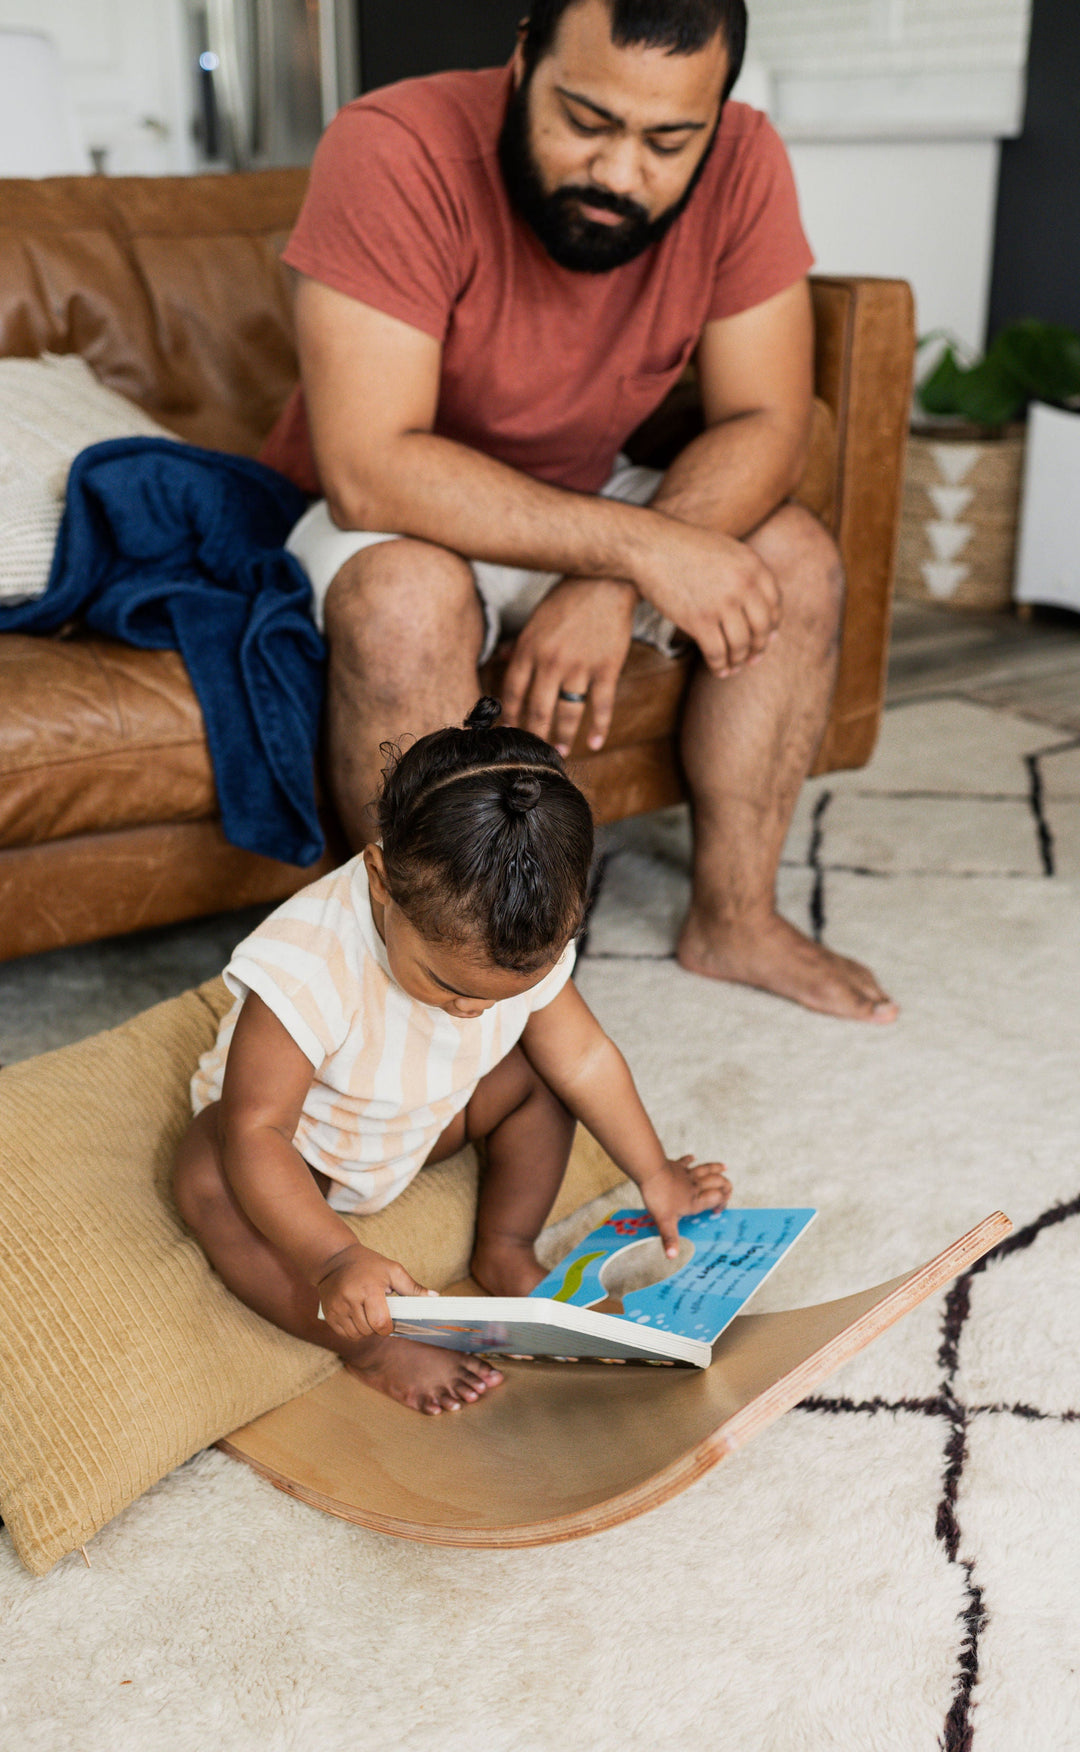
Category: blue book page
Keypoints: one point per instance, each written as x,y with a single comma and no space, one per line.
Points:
723,1258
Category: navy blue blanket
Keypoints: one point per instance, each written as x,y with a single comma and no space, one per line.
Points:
175,548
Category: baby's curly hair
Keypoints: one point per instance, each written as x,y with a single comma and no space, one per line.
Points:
486,840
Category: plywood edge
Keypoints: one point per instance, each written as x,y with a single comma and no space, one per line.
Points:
558,1529
898,1296
907,1294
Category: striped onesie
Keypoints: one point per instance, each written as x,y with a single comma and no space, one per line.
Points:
390,1072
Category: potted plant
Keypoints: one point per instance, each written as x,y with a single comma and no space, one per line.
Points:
962,489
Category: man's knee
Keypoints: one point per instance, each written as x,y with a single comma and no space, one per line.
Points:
402,594
806,563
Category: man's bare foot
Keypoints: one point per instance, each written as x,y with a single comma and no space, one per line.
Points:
775,957
505,1268
423,1376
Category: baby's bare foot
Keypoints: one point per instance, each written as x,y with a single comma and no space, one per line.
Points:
423,1376
772,955
505,1268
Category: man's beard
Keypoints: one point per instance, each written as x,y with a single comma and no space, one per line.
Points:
587,246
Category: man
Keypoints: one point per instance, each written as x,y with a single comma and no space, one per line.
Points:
502,273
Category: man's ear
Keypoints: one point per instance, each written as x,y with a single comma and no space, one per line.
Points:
376,871
517,62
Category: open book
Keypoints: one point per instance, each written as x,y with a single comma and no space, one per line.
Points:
617,1296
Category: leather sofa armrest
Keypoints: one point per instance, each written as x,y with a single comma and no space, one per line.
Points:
865,352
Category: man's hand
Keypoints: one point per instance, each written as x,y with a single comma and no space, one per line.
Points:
576,639
353,1289
680,1189
716,590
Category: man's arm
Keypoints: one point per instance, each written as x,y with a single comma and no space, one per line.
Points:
756,375
755,372
371,384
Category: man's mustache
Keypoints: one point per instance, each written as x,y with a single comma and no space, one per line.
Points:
603,198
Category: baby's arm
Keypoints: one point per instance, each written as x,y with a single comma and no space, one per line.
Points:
266,1079
567,1046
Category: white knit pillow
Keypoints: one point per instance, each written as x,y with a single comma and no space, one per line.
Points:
50,409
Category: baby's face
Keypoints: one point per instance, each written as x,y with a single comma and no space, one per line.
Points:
462,983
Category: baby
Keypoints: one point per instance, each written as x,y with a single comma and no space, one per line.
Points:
415,999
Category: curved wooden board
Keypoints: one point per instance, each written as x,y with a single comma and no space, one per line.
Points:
563,1450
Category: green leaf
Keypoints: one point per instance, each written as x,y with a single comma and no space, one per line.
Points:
1043,356
938,390
989,394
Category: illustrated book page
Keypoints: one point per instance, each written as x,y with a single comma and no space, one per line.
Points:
617,1297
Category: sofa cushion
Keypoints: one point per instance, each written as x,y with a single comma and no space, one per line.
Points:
121,1352
95,736
169,286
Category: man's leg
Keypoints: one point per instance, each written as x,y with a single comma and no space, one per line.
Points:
405,628
747,743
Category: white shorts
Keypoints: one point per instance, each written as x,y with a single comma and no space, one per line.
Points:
508,593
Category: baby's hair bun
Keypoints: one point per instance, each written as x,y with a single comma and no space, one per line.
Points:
483,714
523,793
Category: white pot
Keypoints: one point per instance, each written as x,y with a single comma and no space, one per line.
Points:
1048,555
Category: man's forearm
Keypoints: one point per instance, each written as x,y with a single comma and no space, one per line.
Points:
728,480
440,491
734,475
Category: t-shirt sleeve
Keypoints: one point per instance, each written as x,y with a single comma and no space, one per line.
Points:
552,983
295,966
379,222
766,248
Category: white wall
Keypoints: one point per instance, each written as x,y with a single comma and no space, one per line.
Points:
913,210
893,111
120,59
888,36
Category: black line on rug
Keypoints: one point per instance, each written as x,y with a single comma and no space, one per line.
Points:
1042,826
959,1728
927,1407
1030,1413
813,858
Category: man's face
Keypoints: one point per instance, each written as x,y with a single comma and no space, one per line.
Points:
602,146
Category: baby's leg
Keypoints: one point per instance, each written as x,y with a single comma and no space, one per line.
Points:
418,1375
529,1133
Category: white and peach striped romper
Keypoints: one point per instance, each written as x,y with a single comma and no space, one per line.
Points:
390,1073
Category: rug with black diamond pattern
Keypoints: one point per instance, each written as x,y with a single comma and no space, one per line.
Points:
895,1565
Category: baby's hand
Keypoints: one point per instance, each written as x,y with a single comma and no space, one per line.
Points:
680,1189
353,1292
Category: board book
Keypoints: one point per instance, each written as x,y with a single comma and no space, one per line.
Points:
617,1297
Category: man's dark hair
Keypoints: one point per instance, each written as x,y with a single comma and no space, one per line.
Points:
682,27
486,841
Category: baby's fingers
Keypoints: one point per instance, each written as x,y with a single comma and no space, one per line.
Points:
377,1314
399,1280
343,1322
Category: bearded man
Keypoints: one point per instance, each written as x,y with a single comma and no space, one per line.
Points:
501,274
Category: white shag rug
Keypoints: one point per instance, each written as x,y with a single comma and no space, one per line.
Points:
895,1565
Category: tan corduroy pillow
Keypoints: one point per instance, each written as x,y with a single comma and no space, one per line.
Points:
121,1352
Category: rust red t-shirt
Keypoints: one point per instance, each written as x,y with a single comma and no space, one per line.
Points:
546,369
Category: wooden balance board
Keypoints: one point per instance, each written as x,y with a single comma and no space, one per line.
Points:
565,1449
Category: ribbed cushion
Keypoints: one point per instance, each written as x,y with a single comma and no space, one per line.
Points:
121,1352
50,409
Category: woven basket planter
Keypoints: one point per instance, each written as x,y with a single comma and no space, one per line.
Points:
959,516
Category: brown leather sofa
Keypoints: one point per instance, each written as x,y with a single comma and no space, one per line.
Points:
172,290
